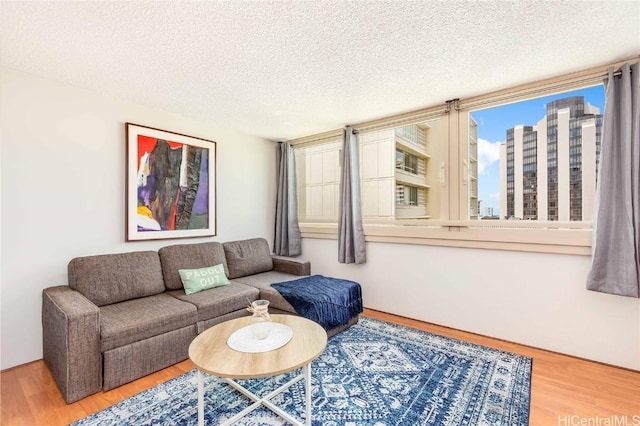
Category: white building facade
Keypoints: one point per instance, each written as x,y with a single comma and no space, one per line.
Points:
399,170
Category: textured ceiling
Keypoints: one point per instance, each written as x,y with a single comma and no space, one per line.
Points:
284,69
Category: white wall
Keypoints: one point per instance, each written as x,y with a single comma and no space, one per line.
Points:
62,177
63,180
529,298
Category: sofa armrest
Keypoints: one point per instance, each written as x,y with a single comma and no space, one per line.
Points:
291,265
71,342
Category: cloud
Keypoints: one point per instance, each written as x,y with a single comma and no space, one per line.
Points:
488,153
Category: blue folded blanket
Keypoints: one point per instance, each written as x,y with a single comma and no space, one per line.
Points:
330,302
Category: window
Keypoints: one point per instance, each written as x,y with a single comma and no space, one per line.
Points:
412,134
318,180
513,169
547,177
410,163
408,196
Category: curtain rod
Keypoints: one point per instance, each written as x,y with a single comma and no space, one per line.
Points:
568,82
591,77
618,73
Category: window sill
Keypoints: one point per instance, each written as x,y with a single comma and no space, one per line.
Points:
557,241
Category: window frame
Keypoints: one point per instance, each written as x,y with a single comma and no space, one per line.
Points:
455,229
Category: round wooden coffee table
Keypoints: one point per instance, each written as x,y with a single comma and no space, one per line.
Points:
211,354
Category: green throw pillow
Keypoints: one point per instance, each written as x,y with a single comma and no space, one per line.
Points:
195,280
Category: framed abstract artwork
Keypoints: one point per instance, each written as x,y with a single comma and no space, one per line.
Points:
170,185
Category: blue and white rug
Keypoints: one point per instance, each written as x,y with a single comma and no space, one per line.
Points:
374,373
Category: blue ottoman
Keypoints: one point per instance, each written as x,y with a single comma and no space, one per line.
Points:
331,302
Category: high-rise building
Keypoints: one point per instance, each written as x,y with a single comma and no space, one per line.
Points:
548,170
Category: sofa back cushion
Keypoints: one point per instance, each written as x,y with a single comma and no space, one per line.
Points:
248,257
189,256
113,278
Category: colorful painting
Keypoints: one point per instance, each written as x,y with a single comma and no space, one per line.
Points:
170,185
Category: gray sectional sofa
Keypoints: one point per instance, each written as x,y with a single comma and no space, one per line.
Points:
126,315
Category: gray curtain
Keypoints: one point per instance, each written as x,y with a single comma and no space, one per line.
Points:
351,246
615,265
287,233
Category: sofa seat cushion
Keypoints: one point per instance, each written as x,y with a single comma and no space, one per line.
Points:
189,256
219,301
247,257
112,278
263,283
138,319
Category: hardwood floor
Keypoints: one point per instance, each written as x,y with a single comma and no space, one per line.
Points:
565,391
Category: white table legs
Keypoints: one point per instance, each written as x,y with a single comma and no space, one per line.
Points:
200,399
306,375
307,393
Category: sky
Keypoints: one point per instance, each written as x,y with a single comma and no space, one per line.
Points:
492,130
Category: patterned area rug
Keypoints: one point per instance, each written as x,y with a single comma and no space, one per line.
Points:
375,373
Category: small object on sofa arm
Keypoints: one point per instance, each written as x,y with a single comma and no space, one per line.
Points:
291,265
71,342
